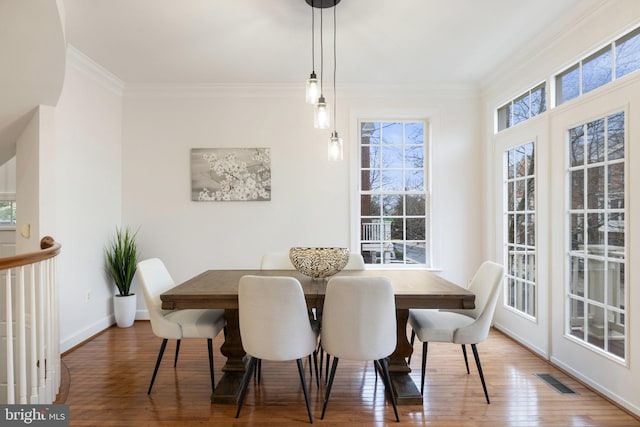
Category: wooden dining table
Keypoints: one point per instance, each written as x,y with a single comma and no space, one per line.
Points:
412,288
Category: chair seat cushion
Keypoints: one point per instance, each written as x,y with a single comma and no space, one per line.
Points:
198,323
437,326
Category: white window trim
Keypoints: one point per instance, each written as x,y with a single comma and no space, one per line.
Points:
432,118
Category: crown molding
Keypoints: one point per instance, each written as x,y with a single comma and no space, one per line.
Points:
357,90
104,77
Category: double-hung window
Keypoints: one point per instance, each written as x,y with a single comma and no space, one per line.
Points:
394,207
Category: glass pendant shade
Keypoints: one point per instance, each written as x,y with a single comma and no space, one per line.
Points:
321,116
313,89
335,147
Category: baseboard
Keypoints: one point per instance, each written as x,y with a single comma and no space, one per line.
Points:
142,315
529,345
86,333
608,394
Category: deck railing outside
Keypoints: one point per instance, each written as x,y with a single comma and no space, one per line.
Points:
29,334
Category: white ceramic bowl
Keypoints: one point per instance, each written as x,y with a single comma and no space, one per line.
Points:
319,262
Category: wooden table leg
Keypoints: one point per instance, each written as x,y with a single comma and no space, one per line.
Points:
226,390
407,393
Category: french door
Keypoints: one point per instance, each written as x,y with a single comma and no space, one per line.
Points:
521,168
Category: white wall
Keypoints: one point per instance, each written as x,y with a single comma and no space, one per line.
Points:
310,196
616,380
89,205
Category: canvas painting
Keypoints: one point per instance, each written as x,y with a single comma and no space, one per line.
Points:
225,174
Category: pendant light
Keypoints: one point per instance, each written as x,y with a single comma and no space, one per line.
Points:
313,85
335,142
322,115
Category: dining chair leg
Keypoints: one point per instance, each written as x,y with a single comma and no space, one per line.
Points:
464,353
175,361
425,347
329,385
210,349
388,386
257,374
326,376
477,357
155,371
315,364
413,339
245,383
304,389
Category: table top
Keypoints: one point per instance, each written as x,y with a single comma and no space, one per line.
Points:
412,288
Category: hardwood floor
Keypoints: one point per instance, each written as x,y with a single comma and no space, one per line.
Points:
109,375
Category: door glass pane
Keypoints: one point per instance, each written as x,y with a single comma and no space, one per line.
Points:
576,318
577,189
576,145
597,231
596,280
595,141
595,185
576,280
577,231
520,228
595,328
615,136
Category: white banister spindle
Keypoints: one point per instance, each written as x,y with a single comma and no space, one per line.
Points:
42,391
33,330
22,340
11,397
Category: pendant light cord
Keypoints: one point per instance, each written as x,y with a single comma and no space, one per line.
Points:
321,58
335,102
313,39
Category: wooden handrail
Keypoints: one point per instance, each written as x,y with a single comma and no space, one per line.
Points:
49,249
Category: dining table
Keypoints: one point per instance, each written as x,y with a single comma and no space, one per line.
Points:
413,288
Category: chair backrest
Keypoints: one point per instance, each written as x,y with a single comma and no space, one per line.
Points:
155,279
276,261
359,318
274,321
356,262
486,286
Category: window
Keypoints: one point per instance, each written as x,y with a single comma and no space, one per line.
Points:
613,61
596,288
525,106
393,193
520,229
7,213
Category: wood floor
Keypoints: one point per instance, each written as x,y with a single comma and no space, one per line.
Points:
108,378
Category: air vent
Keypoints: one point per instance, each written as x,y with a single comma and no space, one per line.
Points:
555,383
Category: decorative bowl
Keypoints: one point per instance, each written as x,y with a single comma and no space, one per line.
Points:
319,262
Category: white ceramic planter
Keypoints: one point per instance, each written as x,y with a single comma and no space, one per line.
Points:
124,308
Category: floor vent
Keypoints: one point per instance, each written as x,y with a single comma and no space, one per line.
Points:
555,383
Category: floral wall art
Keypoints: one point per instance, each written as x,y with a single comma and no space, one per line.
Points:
230,174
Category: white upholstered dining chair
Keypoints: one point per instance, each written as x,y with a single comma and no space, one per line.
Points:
175,324
275,325
350,331
276,261
461,326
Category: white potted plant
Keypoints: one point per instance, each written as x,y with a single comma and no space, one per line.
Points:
121,259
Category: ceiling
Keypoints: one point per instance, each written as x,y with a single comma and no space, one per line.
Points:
269,41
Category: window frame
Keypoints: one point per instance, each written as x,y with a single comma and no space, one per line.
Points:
585,255
426,192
